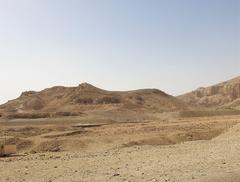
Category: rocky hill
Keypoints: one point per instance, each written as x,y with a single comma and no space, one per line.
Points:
223,95
71,101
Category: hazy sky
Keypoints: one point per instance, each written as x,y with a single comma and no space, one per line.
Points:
172,45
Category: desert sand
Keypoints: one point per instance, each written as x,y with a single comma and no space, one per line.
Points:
173,149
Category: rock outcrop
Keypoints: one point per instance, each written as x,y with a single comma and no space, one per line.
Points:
85,98
226,94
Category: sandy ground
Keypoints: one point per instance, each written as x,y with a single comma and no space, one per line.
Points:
208,150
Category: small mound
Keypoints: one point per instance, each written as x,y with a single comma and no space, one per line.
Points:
22,144
150,141
65,134
49,146
59,146
176,138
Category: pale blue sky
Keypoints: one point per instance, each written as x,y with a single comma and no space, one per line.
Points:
172,45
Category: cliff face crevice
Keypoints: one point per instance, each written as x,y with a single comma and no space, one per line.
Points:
218,95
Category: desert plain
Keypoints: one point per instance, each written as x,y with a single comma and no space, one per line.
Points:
189,149
88,134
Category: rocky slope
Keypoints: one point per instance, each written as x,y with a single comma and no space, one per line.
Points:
68,101
226,94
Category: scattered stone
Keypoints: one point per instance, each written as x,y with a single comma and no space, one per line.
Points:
32,152
116,174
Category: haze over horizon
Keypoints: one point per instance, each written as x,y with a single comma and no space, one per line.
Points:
175,46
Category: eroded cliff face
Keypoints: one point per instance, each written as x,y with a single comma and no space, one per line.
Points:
223,94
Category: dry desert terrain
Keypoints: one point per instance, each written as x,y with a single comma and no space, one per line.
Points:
85,133
152,149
